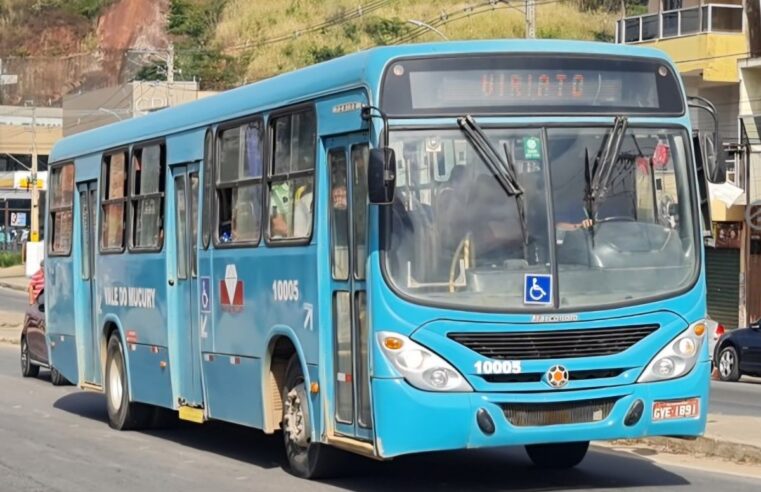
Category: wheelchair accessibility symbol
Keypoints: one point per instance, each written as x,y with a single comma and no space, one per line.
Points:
537,288
205,293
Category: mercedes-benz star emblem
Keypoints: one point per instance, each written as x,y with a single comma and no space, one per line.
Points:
557,376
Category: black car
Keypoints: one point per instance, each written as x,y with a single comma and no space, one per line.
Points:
34,347
738,352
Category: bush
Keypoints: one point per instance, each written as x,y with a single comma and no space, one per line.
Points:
319,54
9,259
383,31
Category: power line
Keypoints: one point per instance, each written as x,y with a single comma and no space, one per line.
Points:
342,19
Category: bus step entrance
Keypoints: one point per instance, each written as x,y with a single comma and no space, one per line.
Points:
192,414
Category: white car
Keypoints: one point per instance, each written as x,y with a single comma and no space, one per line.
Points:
714,331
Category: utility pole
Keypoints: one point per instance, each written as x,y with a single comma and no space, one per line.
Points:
170,65
35,235
530,19
753,24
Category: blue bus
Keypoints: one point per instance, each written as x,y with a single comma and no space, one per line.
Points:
407,249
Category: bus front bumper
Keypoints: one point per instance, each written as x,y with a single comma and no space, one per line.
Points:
408,420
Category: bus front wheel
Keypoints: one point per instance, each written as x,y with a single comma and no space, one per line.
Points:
558,455
307,459
122,413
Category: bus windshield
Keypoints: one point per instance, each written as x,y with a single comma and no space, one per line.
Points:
455,238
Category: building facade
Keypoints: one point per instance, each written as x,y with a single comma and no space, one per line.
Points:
24,132
716,45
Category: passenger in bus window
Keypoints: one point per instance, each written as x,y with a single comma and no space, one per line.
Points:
280,212
302,213
340,213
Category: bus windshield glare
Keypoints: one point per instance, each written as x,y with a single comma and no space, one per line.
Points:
454,237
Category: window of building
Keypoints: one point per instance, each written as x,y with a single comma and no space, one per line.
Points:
291,181
147,197
61,208
239,183
113,201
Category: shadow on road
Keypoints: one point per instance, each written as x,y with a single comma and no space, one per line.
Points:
493,469
232,441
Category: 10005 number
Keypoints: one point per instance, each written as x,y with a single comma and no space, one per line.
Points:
285,290
498,367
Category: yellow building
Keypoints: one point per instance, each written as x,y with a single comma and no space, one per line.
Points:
710,42
24,130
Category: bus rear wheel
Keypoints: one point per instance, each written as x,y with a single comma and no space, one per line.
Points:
122,413
56,378
306,459
558,455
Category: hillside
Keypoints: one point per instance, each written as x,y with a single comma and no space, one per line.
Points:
270,37
60,46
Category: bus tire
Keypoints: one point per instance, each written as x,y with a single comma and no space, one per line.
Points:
28,368
57,378
306,459
557,455
122,413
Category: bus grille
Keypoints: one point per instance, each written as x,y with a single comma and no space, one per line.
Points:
573,412
535,377
532,345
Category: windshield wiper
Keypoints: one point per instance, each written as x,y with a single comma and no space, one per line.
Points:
598,178
503,170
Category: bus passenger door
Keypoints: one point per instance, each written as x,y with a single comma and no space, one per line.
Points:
88,201
183,310
347,212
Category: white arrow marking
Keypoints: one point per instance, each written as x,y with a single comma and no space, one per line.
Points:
204,320
309,319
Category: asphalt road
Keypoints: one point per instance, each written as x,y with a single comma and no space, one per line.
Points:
741,398
57,439
13,300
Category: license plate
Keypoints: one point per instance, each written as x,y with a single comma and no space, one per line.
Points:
684,409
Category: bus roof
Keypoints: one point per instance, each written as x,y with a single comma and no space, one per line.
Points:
363,68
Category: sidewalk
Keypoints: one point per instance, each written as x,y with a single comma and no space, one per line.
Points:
10,326
733,438
14,278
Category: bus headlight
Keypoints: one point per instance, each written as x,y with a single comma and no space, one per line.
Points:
419,366
678,357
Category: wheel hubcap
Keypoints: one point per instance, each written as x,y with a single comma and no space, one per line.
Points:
115,385
24,355
726,364
294,423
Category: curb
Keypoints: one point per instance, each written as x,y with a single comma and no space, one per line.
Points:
702,446
12,287
9,341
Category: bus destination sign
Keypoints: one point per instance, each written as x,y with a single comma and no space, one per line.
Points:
539,85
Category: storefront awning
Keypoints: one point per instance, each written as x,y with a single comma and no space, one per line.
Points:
727,193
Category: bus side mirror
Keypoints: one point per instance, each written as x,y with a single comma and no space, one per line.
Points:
381,176
716,171
706,145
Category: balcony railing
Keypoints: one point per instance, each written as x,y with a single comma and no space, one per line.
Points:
682,22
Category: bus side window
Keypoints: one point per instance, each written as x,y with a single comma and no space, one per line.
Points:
239,183
339,219
113,201
208,180
61,208
147,197
291,180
